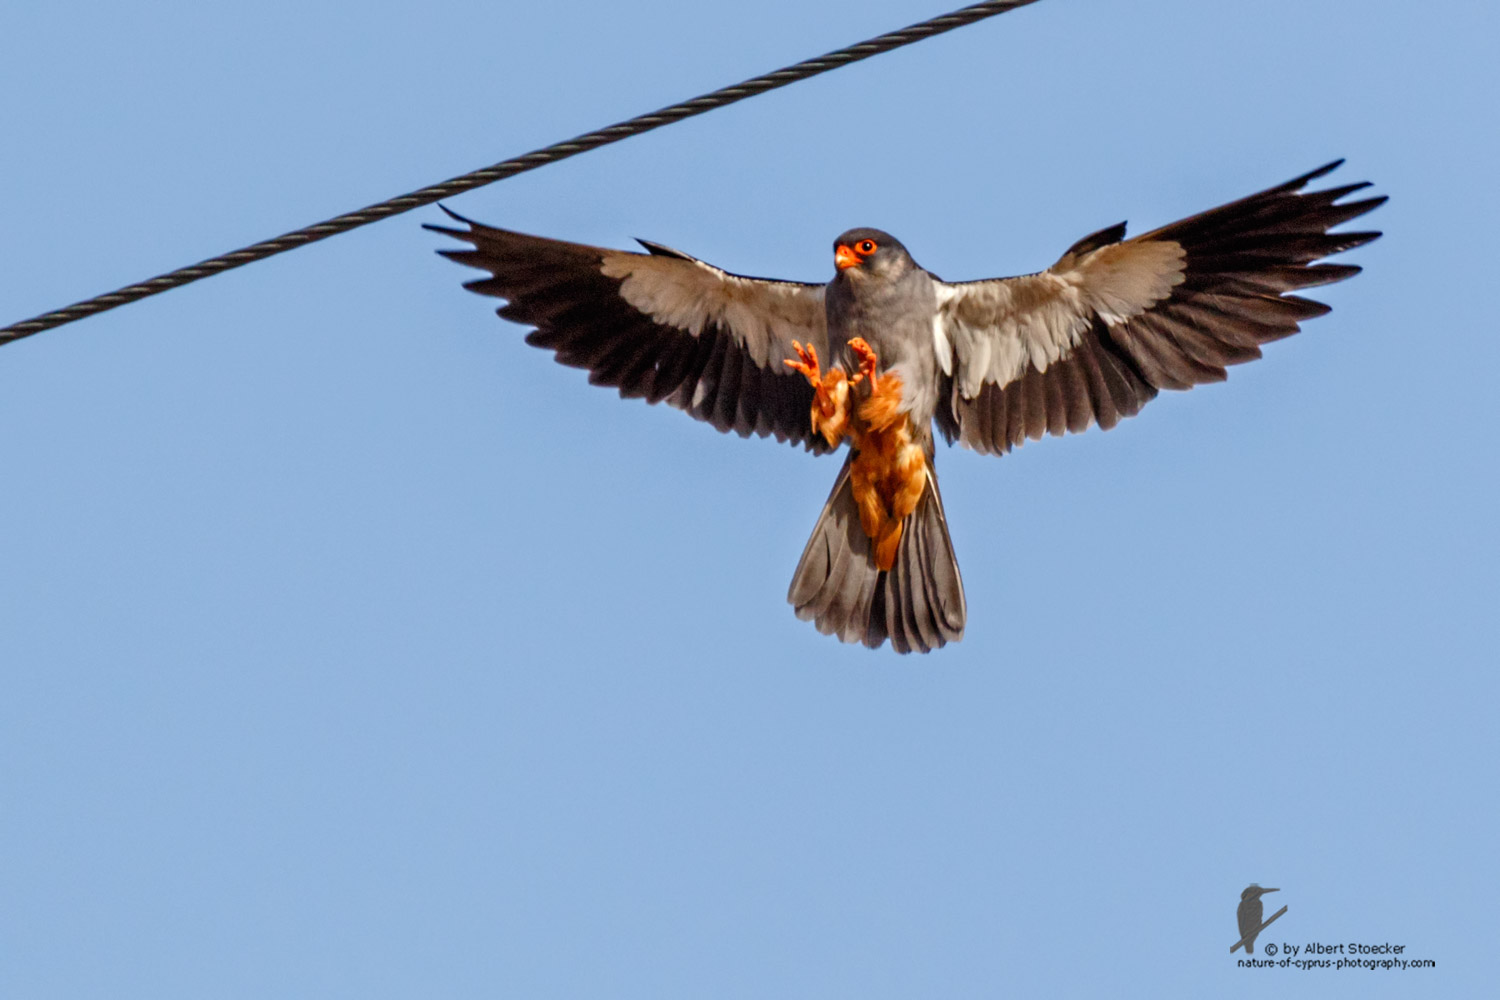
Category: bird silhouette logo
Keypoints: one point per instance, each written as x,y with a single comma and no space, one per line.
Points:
1249,916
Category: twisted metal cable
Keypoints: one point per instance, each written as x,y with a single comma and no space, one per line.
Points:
509,168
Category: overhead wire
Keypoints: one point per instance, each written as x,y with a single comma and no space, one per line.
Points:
508,168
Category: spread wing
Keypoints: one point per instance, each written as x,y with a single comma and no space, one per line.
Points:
661,325
1093,338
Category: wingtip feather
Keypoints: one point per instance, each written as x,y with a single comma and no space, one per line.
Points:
1322,171
455,216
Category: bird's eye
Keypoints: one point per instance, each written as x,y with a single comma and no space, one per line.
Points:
865,247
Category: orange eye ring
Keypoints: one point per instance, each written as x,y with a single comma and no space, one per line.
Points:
865,247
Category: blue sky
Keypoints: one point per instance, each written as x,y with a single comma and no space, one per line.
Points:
350,647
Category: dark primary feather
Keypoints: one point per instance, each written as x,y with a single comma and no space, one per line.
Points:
579,314
1242,262
1093,241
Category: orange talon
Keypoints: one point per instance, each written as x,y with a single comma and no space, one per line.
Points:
807,363
867,359
830,407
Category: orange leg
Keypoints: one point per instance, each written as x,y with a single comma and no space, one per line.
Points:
899,470
909,481
889,471
863,480
887,544
882,409
830,409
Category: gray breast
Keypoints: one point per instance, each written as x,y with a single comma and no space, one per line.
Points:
895,317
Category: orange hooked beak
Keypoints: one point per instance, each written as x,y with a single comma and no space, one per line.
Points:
844,257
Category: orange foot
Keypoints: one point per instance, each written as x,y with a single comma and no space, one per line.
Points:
830,408
867,360
806,363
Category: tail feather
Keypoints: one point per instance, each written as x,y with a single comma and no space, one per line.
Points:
918,605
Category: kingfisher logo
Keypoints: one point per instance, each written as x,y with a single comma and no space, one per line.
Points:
1249,914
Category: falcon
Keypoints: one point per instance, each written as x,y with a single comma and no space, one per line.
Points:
886,353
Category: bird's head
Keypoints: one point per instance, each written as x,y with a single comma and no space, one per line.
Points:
860,254
1254,891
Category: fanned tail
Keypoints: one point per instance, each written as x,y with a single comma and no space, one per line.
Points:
918,605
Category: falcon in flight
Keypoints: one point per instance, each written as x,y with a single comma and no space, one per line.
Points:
886,351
